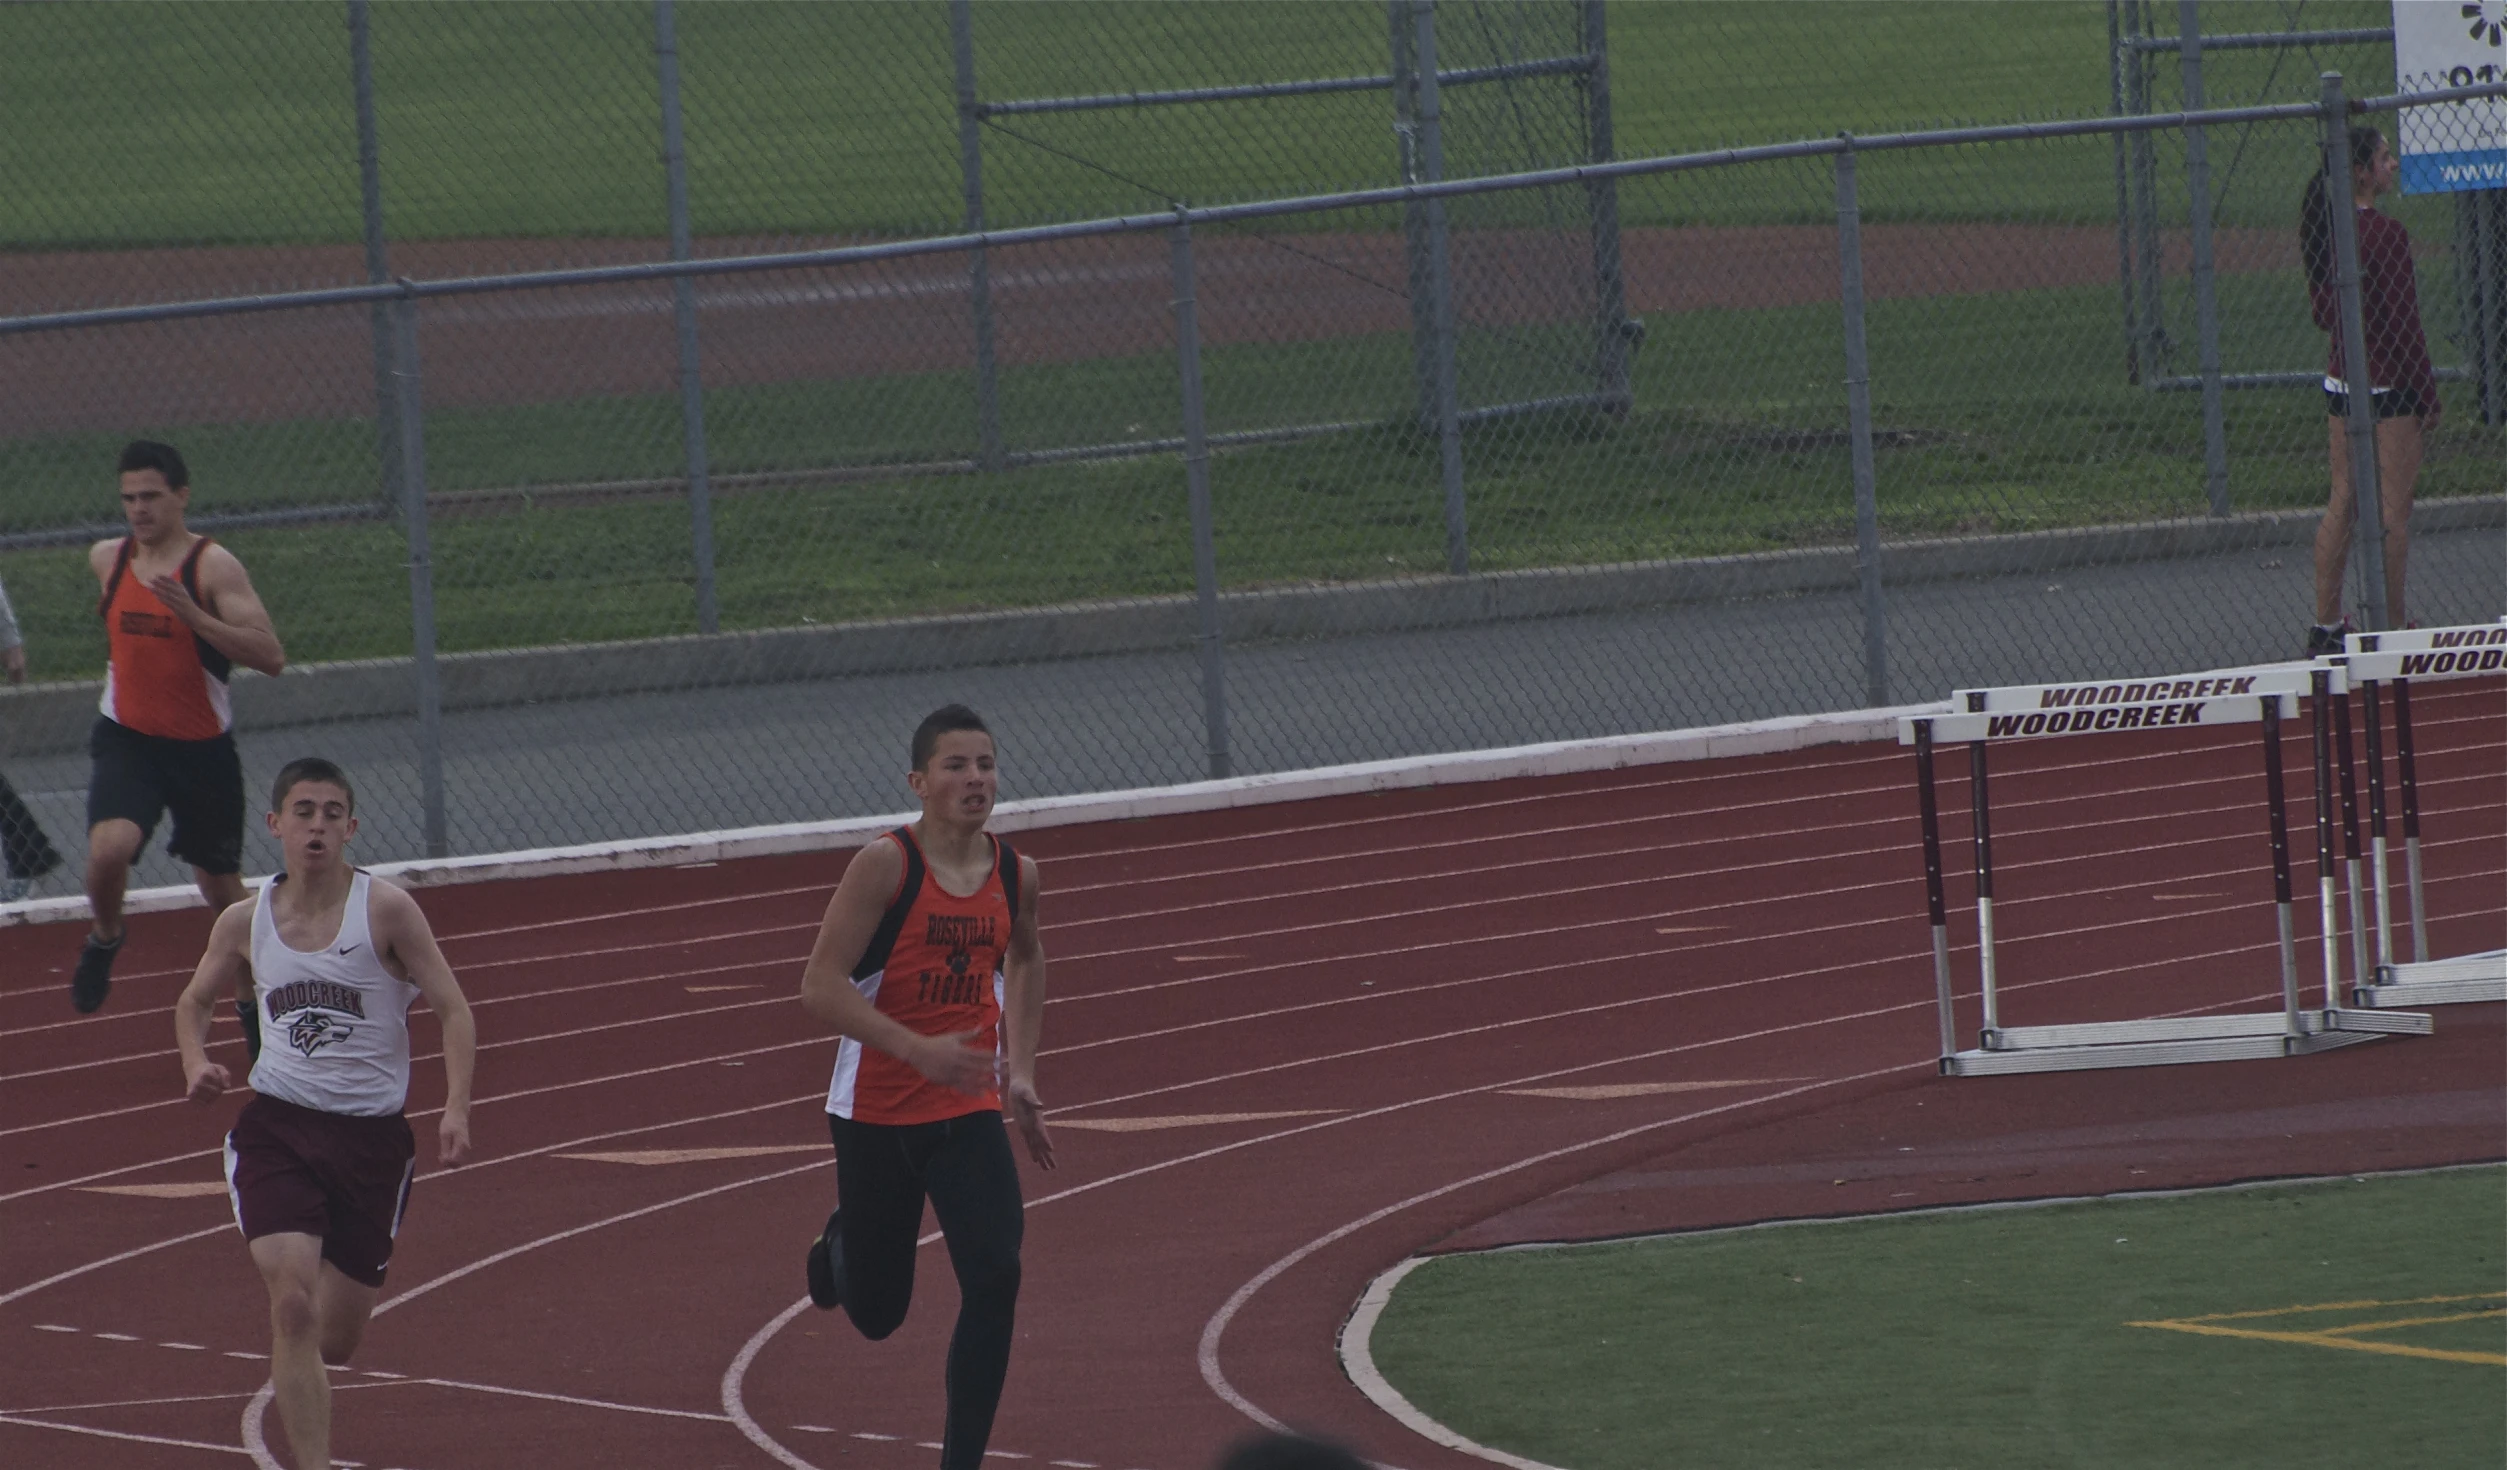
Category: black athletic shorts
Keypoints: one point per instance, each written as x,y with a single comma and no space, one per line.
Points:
2391,403
139,778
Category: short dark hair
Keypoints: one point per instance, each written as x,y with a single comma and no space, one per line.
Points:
943,721
1289,1452
310,768
165,459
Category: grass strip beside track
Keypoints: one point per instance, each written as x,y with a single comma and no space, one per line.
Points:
1730,450
2038,1336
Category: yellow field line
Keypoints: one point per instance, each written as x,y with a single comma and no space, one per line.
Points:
2409,1301
2319,1339
2409,1322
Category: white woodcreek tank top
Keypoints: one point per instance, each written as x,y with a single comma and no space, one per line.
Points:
334,1022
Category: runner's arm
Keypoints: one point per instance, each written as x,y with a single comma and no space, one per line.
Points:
1023,1019
828,992
224,964
233,621
408,947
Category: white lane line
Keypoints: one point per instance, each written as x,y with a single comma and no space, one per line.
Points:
255,1444
189,1398
115,1336
567,1398
1105,1102
1358,1360
490,1162
756,1433
1216,1328
2015,832
1709,865
186,1444
1326,960
2431,729
402,1299
735,1407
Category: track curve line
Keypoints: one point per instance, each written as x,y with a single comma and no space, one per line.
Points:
1358,1360
1216,1328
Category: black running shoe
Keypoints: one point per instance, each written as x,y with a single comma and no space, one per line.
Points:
248,1011
92,981
2324,642
826,1267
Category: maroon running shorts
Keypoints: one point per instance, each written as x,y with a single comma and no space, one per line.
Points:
302,1171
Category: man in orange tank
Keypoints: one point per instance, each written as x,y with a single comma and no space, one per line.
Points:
930,967
179,613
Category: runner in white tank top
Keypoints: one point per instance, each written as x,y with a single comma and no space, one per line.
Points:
319,1162
334,1022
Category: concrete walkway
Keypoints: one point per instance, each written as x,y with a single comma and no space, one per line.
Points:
650,764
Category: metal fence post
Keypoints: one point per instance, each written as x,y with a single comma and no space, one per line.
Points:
2206,294
378,255
2151,338
1197,488
1610,287
989,453
1448,404
1858,402
683,310
409,392
2366,498
2123,193
2481,277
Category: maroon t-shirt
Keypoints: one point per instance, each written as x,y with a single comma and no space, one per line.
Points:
2389,302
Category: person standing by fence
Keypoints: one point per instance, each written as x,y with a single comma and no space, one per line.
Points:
179,613
2402,383
25,854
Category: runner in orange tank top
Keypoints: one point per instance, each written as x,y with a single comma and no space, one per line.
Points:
179,613
930,967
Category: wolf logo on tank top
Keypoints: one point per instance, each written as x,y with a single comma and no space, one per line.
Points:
337,1021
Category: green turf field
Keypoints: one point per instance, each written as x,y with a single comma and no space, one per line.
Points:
2338,1325
1715,460
135,124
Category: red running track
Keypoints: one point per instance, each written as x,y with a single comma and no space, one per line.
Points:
1287,1047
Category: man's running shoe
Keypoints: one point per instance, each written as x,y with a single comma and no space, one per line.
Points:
92,981
826,1267
248,1011
2327,642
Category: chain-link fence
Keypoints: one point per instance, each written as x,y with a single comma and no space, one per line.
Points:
1258,508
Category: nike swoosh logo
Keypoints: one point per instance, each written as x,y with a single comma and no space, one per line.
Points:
346,948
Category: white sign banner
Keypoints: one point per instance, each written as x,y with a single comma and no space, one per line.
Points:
2453,146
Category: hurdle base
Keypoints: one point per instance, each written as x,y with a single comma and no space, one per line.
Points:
2175,1040
2464,980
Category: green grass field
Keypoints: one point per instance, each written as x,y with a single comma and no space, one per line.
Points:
1711,462
1722,455
143,124
2013,1338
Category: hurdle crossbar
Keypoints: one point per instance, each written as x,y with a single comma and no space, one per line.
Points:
2399,659
2264,696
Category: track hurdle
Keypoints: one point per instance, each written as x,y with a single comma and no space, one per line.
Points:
2400,659
2265,696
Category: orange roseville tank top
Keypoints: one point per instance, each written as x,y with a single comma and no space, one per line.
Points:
934,966
164,679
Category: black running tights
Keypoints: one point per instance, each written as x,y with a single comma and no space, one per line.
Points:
964,1166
